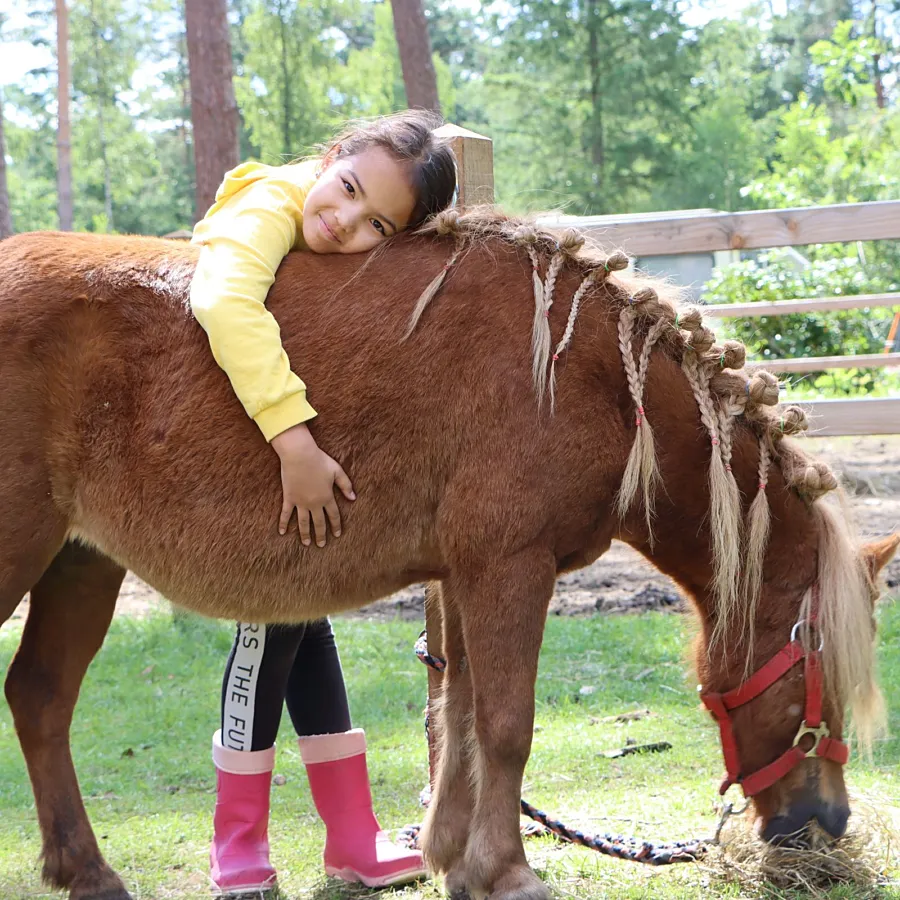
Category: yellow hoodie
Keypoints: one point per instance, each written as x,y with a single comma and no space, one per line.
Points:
256,219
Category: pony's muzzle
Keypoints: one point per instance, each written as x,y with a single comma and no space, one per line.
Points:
795,827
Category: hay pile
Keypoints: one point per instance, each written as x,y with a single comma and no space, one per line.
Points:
865,857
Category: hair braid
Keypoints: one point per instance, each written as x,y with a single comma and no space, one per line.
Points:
641,466
540,329
725,513
588,280
758,524
431,291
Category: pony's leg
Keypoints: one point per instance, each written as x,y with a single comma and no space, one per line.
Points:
71,608
32,529
503,612
446,827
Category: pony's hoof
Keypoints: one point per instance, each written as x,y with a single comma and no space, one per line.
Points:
520,883
107,887
104,894
455,883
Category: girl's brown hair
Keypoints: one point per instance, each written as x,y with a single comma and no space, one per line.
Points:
409,137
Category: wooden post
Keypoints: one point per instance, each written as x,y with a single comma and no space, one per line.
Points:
474,164
475,185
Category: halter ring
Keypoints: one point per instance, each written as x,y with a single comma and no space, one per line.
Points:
796,628
818,733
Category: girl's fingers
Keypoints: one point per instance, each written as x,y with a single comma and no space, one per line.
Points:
303,518
334,517
318,515
343,482
285,518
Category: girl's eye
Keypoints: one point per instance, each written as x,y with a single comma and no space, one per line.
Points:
350,189
378,227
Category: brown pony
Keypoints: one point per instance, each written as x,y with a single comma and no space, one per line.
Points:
495,439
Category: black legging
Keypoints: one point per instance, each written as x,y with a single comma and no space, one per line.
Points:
271,664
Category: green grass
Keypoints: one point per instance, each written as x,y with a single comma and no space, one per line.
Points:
148,708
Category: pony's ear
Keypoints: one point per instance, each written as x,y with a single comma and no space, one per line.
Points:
877,554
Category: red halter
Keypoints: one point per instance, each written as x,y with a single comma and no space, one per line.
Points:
823,745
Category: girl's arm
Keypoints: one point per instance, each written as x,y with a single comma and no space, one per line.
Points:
243,246
236,268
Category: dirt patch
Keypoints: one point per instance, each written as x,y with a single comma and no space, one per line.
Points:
622,580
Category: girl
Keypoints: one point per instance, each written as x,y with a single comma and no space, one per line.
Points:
371,183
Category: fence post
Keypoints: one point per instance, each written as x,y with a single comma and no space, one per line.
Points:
475,184
474,164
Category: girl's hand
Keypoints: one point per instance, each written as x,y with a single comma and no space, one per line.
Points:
308,477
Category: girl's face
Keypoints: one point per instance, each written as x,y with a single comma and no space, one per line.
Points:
357,202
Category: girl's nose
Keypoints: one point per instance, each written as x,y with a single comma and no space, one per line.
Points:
350,220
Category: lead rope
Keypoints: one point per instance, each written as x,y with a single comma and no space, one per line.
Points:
654,853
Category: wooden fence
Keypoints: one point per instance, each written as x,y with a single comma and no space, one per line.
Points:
673,233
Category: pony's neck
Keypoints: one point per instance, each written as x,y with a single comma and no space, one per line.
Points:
681,544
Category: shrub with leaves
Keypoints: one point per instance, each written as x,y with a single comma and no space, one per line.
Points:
782,275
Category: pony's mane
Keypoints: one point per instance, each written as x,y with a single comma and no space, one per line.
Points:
725,393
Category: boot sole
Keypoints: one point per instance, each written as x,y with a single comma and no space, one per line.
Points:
352,875
245,892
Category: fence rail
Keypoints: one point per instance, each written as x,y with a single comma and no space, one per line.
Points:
817,363
872,415
688,232
785,307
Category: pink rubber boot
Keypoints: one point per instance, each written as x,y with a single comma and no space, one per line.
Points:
356,849
239,855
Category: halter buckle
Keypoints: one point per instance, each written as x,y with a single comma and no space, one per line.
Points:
819,732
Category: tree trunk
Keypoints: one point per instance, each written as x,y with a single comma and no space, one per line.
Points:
101,122
213,108
6,228
596,116
63,128
876,60
415,54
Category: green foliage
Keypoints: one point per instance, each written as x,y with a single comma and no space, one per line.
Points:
574,67
848,63
279,87
598,106
784,275
30,143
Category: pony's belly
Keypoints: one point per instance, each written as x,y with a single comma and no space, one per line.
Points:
319,581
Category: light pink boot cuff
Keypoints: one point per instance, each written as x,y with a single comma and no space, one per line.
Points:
241,762
321,748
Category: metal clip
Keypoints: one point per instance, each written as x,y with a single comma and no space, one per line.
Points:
799,625
818,733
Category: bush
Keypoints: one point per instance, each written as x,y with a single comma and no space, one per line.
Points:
781,275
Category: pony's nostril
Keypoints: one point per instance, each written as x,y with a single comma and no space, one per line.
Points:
833,819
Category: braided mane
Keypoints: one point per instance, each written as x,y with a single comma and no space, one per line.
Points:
724,391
